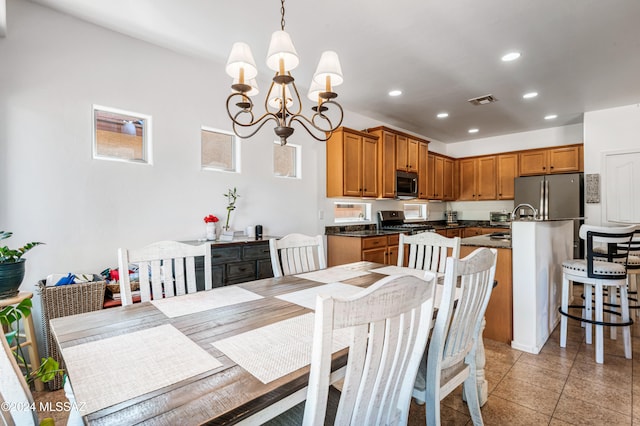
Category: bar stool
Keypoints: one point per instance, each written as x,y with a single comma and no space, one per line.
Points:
596,274
29,335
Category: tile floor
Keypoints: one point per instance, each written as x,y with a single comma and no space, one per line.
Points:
559,386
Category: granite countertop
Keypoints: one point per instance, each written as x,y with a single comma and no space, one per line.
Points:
485,241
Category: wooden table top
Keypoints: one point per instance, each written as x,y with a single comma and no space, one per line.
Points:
224,395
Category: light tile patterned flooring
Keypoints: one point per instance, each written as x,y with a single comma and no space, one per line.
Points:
559,386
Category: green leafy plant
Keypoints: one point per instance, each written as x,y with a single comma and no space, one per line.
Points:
10,318
232,197
8,255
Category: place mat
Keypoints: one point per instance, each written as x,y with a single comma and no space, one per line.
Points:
307,297
112,370
278,349
204,300
332,275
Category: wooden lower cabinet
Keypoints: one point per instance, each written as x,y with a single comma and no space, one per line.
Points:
499,315
344,249
451,232
473,231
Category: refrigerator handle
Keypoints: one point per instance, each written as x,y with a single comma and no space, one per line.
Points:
546,199
541,205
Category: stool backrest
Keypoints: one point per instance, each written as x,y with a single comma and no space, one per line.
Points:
613,237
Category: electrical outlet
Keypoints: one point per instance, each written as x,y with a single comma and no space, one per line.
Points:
320,214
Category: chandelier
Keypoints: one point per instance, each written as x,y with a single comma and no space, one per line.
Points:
283,104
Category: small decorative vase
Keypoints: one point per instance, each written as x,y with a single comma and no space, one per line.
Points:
211,231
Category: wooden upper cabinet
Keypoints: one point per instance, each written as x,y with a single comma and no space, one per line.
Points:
477,178
423,170
486,178
533,162
402,161
386,165
413,155
449,186
507,172
564,159
431,193
406,153
369,166
468,170
352,163
438,178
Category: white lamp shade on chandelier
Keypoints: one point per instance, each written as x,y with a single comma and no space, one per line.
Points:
240,64
281,47
329,66
315,90
275,97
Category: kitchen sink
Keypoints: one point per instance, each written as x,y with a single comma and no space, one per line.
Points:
502,236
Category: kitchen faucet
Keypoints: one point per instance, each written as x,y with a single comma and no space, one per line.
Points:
535,212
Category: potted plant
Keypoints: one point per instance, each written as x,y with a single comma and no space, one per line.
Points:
10,318
232,197
12,266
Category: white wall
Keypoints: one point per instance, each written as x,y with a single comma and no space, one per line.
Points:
608,130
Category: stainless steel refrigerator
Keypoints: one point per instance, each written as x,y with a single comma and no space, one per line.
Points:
555,197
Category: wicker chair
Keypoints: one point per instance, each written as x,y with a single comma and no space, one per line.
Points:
62,301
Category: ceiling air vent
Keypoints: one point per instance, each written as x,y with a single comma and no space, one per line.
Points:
483,100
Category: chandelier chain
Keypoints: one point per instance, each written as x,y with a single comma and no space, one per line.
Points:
282,14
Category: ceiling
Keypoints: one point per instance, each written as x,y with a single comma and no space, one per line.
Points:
579,55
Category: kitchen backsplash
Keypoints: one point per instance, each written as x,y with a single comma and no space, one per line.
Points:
476,210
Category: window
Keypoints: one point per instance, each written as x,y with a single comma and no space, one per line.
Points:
415,212
121,135
220,150
351,212
286,160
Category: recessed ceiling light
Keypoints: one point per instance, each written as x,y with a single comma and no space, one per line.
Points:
474,130
395,93
443,115
511,56
550,116
530,95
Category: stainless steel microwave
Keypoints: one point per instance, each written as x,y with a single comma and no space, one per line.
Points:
406,185
499,219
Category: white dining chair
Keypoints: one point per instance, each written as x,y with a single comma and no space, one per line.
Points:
389,325
451,356
296,253
427,251
166,269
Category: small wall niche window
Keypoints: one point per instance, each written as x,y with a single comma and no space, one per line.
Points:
351,212
415,212
220,150
286,160
121,135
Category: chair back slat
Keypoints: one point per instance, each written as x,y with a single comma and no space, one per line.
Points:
166,269
296,253
389,324
427,251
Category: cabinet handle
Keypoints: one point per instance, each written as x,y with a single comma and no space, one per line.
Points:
552,167
544,168
500,195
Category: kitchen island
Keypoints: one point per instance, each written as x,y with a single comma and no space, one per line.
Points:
539,248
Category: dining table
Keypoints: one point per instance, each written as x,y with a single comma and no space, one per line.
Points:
223,356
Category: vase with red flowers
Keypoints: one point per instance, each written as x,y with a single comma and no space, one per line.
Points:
210,222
